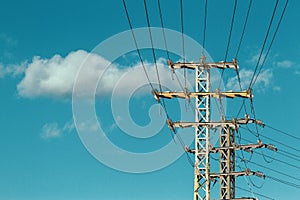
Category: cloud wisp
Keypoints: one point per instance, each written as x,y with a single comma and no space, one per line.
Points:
52,130
263,81
12,70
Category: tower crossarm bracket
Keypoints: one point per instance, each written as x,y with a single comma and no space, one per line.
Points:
234,123
245,147
219,65
188,95
247,172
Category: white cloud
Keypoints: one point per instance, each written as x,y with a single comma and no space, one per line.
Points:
254,59
285,64
55,77
263,81
52,130
51,77
69,126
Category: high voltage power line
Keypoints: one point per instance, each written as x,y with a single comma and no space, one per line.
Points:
146,73
264,43
202,126
272,41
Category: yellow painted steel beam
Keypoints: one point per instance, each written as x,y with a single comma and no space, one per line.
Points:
187,95
219,65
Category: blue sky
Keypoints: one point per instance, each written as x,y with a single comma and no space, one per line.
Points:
42,44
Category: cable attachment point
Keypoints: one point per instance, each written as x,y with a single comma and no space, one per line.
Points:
170,125
202,59
272,147
260,174
218,93
156,95
187,149
235,63
187,93
260,123
171,65
249,92
248,171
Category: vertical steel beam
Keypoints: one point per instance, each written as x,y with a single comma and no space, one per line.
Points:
202,163
227,163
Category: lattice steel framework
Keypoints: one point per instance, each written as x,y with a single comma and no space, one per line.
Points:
227,163
201,167
203,124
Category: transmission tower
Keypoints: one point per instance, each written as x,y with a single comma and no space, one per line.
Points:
203,124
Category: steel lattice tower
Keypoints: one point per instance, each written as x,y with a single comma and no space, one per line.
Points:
201,168
202,174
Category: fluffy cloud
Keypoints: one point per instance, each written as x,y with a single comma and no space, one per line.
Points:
51,77
262,82
55,77
52,130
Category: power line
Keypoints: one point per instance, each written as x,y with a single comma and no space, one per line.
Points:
237,53
204,28
182,37
290,147
274,178
246,179
183,146
288,153
164,106
229,38
182,30
136,44
245,163
258,194
272,41
264,43
230,32
263,166
286,163
283,132
283,144
244,28
139,53
152,44
253,80
154,56
284,182
253,112
282,152
280,143
163,29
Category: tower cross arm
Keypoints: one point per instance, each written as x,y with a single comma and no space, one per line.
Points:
245,147
188,95
234,123
192,65
247,172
